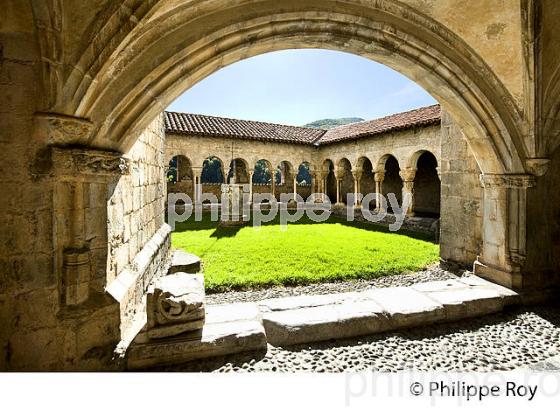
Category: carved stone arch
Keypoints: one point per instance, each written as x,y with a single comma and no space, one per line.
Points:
222,168
380,164
121,99
327,165
412,160
359,163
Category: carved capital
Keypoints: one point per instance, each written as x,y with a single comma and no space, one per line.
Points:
77,163
408,186
64,129
357,173
379,176
537,166
408,174
516,181
339,172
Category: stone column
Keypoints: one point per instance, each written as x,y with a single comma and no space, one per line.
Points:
273,185
314,184
82,179
504,228
379,178
407,176
338,186
295,187
357,175
197,187
251,186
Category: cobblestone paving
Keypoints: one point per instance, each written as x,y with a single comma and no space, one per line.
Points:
428,275
513,339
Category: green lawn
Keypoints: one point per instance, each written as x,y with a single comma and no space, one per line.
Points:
242,258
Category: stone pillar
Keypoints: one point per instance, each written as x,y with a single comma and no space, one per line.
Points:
251,186
407,176
504,228
82,179
273,185
357,175
338,186
321,184
197,186
295,187
379,177
314,185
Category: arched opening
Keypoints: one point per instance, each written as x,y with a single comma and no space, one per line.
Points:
330,181
120,93
212,171
345,180
180,175
262,172
212,177
428,52
366,183
124,91
427,186
284,179
392,182
262,178
238,172
304,180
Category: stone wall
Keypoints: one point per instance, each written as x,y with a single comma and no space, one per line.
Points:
461,193
403,145
198,148
137,201
139,238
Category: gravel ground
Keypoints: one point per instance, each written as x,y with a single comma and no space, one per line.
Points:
513,339
430,274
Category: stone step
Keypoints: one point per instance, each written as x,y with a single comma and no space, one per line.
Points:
228,329
184,262
305,319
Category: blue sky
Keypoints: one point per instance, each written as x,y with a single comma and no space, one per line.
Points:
299,86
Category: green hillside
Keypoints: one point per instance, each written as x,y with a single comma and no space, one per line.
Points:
332,122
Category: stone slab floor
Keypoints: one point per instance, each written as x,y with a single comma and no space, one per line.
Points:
517,338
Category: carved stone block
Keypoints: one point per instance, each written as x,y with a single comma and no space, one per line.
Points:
175,305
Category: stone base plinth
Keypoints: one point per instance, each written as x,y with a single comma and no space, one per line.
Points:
512,280
228,329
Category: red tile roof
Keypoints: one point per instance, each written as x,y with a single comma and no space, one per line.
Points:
196,124
420,117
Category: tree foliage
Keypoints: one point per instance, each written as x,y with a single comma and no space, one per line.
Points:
212,171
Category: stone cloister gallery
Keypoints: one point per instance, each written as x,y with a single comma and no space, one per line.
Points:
337,161
84,155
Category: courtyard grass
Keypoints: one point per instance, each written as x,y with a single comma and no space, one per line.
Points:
307,252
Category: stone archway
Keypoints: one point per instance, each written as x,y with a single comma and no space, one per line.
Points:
238,172
212,171
364,175
427,185
345,180
391,182
126,93
180,175
108,100
329,181
305,180
116,95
